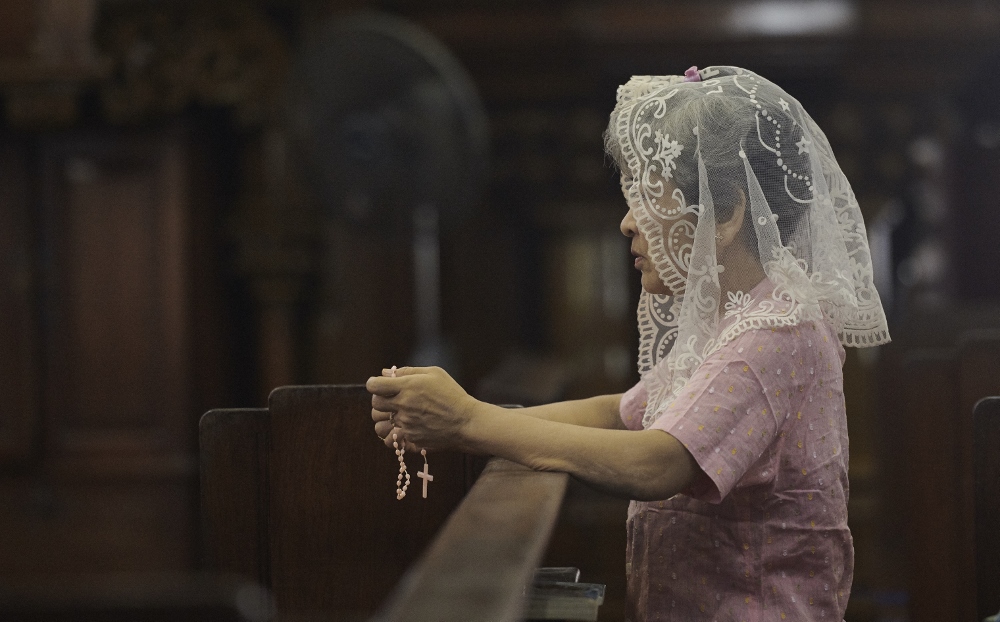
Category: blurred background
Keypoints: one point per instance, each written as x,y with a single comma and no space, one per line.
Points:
203,200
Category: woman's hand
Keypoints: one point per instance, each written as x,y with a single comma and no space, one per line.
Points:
430,409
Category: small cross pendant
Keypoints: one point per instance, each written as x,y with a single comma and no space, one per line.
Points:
426,476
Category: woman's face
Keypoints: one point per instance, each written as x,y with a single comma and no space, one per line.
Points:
640,250
677,238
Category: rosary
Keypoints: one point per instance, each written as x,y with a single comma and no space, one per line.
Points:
400,449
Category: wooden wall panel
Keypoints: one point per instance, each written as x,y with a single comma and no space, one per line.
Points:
115,304
19,410
106,421
51,529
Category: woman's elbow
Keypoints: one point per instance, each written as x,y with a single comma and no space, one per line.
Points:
668,469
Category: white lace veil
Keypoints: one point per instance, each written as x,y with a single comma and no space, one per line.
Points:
691,151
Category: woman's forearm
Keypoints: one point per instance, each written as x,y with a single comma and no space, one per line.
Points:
594,412
433,412
646,465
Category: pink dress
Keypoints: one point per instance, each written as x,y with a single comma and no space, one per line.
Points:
762,534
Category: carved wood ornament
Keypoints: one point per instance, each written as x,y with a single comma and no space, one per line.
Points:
165,59
44,70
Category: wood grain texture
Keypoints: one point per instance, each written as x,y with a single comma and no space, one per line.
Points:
339,540
987,505
477,567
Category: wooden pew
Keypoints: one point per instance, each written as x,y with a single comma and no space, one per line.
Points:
930,378
301,497
987,477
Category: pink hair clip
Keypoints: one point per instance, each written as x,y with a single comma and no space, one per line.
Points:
692,75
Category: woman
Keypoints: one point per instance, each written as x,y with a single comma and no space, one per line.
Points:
733,446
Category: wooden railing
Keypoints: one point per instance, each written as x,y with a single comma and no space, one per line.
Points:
479,564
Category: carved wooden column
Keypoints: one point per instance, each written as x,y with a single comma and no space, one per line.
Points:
274,237
229,56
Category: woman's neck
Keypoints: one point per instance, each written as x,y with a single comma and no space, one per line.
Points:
742,271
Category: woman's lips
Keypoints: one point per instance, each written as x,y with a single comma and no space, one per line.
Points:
638,262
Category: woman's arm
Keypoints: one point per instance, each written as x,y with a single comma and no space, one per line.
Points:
600,411
646,466
433,411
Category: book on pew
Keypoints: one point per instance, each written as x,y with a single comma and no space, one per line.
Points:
557,594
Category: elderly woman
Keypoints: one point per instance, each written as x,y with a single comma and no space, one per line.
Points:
733,446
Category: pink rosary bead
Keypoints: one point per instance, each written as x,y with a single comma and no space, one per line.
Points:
400,485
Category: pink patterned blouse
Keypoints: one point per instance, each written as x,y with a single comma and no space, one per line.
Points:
762,535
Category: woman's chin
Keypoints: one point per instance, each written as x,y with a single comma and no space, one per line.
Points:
652,284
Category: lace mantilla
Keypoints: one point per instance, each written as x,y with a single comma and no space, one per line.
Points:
734,153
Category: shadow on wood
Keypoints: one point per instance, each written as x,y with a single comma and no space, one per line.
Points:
301,497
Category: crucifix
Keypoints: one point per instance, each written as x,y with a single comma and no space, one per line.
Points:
425,475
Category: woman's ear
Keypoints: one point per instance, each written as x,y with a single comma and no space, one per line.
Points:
726,232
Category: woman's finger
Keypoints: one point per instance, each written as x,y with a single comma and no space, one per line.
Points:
411,449
382,404
386,430
388,437
386,387
400,438
380,415
382,429
410,371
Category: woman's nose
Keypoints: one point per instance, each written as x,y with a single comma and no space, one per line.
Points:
627,225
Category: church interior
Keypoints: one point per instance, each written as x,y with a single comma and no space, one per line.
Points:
189,219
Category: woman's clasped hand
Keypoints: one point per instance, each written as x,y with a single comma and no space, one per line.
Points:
429,409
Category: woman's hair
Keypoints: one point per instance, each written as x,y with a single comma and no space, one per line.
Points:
724,126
